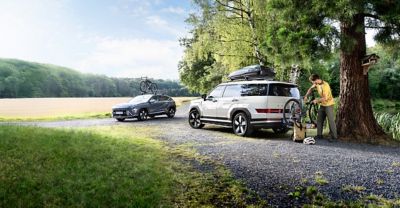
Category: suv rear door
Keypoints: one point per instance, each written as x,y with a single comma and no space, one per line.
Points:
278,95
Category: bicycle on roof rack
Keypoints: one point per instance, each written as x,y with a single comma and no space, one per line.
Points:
147,86
296,112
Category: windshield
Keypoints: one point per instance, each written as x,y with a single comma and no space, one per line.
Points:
141,99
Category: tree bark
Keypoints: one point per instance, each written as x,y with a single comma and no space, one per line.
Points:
355,119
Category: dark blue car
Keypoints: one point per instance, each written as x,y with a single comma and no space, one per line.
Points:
145,106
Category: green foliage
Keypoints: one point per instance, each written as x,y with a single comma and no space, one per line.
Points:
25,79
285,33
390,123
226,36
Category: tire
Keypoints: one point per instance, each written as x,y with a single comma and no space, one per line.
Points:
143,115
143,86
153,87
313,113
241,125
120,119
292,112
281,130
194,119
171,112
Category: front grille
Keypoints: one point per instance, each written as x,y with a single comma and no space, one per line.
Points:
124,112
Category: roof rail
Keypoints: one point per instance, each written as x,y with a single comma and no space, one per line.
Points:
252,79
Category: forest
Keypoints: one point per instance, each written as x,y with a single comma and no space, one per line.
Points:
22,79
228,35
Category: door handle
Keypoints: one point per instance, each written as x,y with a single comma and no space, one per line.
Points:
235,100
214,101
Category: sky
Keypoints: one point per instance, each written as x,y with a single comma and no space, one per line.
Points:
117,38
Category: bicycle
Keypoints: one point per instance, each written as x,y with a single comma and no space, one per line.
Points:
147,86
296,112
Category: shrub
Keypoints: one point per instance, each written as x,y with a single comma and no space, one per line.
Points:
390,123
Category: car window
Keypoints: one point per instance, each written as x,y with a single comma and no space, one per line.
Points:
232,91
155,98
217,92
284,90
263,89
140,99
250,90
162,98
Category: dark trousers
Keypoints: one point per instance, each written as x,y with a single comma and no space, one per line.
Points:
323,112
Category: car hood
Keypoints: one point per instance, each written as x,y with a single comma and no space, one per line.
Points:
127,105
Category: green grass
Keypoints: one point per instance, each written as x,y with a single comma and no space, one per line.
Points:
108,167
384,105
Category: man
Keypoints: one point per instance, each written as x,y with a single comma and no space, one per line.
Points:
327,103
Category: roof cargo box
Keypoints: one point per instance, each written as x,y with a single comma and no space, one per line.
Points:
254,72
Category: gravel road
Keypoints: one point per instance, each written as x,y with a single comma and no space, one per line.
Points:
273,166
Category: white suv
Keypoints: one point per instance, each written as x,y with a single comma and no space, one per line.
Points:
244,106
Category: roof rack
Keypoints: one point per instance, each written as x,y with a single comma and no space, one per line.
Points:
254,72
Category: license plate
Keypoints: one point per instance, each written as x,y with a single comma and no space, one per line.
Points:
119,112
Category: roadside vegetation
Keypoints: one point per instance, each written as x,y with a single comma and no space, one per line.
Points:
390,123
109,167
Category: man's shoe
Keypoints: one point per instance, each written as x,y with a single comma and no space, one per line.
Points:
332,139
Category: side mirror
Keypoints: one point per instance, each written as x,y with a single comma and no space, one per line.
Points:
204,96
152,101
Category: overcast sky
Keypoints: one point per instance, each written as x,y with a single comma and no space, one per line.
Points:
119,38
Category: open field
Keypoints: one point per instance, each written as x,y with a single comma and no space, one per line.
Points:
39,108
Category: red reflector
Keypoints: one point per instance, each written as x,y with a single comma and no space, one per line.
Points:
269,110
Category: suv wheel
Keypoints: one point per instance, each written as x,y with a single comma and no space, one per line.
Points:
194,119
281,130
142,115
171,113
241,125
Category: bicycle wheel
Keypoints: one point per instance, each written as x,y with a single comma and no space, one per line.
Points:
313,113
292,112
153,87
143,86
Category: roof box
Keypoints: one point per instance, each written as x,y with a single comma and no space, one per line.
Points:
254,72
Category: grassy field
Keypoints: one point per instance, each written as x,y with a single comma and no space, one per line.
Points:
62,108
108,167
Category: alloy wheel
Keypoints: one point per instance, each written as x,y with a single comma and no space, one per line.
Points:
194,119
240,124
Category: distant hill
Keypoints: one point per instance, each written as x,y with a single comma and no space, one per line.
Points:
22,79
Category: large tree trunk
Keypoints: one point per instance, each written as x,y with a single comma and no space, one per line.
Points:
355,119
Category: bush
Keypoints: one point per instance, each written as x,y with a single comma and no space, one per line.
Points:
390,123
